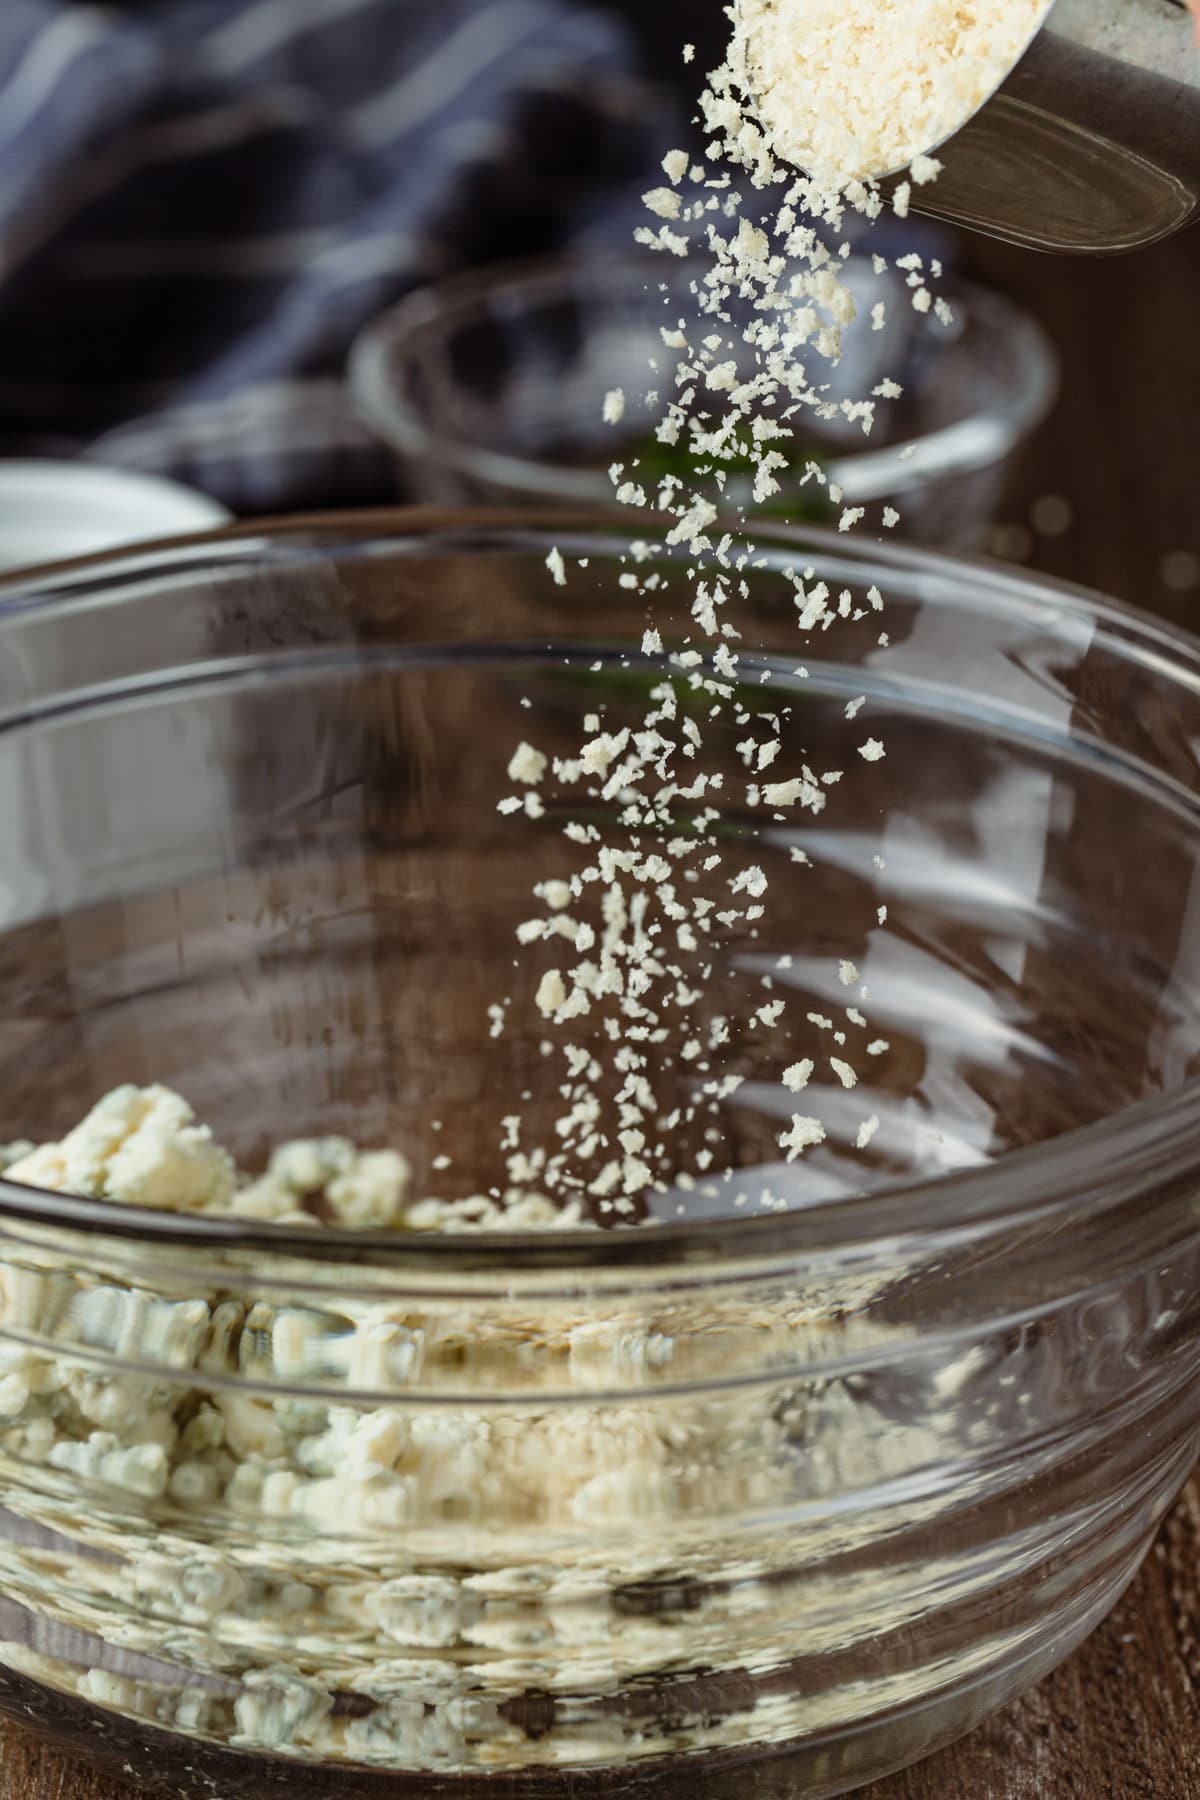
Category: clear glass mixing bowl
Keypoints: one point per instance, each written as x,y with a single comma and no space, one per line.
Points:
490,388
775,1500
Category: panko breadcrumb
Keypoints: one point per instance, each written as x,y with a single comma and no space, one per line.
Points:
857,92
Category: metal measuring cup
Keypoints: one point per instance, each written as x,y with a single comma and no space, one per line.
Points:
1092,143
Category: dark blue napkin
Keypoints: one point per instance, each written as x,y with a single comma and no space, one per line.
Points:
202,201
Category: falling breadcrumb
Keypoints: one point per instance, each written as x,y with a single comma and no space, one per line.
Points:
614,406
804,1133
557,567
527,764
866,1131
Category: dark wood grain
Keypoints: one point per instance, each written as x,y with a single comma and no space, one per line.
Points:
1123,445
1118,1721
1121,1719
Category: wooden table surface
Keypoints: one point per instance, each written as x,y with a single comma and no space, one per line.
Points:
1121,1719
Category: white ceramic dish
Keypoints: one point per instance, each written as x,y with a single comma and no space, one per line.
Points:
53,510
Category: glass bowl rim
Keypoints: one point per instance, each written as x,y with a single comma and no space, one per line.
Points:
977,441
1155,1141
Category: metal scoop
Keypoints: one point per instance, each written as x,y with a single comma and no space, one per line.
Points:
1092,144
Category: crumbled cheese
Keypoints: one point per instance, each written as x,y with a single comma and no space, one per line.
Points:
141,1146
472,1585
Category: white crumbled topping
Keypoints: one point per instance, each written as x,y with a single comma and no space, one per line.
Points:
843,1070
141,1146
675,166
551,994
614,406
802,1135
557,567
361,1189
797,1077
664,201
751,881
527,764
872,750
866,1131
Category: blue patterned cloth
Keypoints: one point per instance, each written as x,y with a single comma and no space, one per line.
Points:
202,201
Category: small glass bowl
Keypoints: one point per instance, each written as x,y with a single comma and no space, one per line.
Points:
779,1499
490,388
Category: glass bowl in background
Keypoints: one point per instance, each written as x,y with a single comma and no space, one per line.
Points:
784,1496
490,388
